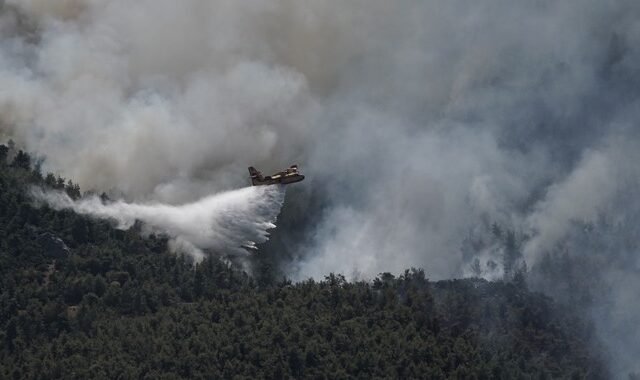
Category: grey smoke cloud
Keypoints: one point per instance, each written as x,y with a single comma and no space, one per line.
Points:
417,121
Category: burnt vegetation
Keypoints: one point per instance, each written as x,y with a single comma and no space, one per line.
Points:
81,299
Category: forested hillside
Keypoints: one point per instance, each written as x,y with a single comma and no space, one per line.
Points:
81,299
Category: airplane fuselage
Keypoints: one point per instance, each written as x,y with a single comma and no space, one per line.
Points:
277,179
285,177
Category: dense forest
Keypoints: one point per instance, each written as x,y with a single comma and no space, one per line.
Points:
82,299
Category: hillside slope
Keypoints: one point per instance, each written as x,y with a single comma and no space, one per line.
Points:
80,299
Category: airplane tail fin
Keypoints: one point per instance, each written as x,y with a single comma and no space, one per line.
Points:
255,174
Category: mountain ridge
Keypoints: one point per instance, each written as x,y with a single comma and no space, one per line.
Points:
81,299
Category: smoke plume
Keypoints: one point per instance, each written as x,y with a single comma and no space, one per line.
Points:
418,124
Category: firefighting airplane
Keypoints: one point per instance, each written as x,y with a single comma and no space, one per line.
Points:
285,177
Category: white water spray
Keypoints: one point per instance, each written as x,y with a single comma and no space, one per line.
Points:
223,223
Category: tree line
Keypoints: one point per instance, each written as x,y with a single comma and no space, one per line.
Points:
81,299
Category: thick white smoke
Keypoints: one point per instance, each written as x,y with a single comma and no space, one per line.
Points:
226,223
425,118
